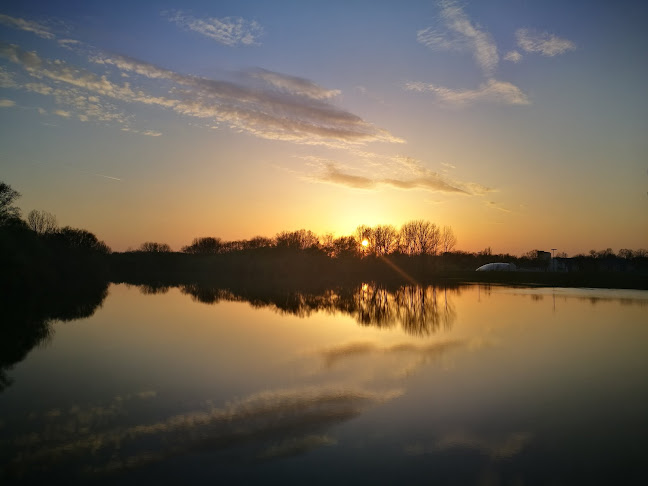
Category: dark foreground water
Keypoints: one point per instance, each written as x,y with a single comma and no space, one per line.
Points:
410,385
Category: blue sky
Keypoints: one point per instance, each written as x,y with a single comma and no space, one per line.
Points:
520,123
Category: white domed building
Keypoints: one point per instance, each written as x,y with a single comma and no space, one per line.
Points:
497,267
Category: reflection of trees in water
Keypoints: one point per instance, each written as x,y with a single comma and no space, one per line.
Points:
375,306
28,317
419,310
422,312
154,288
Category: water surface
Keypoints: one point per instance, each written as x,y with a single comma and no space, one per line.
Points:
464,385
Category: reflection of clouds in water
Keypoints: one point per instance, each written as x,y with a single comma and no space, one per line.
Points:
338,353
59,424
277,416
413,355
495,448
295,446
343,351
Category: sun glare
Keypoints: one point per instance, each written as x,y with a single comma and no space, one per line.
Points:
365,243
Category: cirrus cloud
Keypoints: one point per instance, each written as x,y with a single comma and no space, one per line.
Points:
461,34
423,179
283,107
229,31
27,25
490,91
542,43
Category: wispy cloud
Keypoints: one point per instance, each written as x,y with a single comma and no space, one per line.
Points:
108,177
494,205
335,176
542,42
86,107
27,25
425,179
70,44
491,91
5,103
148,133
294,85
436,40
461,34
230,31
282,108
513,56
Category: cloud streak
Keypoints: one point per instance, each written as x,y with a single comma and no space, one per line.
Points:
491,91
280,108
513,56
295,85
27,25
494,205
461,34
543,43
426,180
229,31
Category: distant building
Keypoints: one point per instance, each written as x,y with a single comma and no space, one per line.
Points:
543,255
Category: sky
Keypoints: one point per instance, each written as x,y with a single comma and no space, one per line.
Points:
519,123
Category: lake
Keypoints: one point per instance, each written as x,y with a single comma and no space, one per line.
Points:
471,384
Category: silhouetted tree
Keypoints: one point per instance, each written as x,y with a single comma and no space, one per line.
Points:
448,239
607,253
42,222
626,253
362,233
298,240
204,245
419,237
152,247
8,211
345,247
383,239
78,239
488,252
257,242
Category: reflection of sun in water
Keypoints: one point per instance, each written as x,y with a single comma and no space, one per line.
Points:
365,243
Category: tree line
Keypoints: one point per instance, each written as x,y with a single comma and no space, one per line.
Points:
43,225
416,237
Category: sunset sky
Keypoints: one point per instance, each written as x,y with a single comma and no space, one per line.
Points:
523,124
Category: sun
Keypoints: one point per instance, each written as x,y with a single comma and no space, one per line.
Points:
365,243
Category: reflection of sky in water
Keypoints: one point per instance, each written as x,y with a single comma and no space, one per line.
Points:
514,385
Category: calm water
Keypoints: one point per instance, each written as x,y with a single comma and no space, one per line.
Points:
470,385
